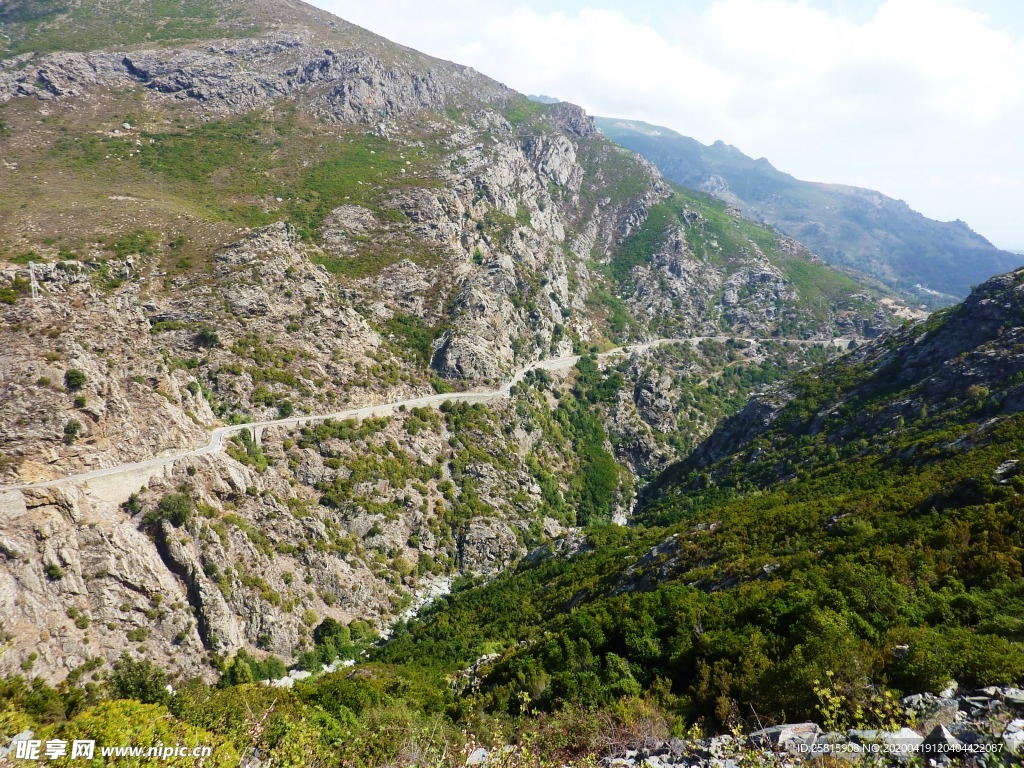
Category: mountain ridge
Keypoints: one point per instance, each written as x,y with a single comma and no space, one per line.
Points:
238,235
848,226
306,219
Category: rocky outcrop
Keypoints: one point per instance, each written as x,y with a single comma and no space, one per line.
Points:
959,739
488,547
76,580
343,85
968,356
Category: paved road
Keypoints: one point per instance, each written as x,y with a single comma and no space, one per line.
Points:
218,435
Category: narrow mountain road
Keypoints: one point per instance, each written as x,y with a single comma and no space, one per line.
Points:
217,437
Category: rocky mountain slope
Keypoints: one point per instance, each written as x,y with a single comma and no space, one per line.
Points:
843,559
933,262
273,212
849,537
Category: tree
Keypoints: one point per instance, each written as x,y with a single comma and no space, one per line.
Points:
139,679
207,338
71,430
239,672
175,507
74,379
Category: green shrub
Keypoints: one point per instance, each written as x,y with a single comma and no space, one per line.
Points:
71,431
74,379
138,679
207,338
10,294
53,572
176,508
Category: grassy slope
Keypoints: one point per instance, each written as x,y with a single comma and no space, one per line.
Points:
724,238
172,175
43,26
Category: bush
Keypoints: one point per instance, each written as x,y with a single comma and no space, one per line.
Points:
71,431
53,572
74,379
176,508
248,669
139,679
131,722
207,338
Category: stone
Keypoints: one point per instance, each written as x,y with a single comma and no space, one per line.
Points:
914,701
940,743
478,757
904,741
676,747
788,738
721,745
932,712
23,736
1013,737
974,705
1014,697
836,745
967,733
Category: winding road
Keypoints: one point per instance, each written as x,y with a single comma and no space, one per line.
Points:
148,468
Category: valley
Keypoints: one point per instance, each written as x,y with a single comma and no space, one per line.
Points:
356,409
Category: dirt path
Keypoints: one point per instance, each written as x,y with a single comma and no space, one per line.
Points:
150,467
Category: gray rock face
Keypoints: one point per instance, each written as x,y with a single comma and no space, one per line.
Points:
940,744
76,579
899,744
1013,737
488,546
12,746
344,85
217,625
932,711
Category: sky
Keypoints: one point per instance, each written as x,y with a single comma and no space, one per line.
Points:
922,100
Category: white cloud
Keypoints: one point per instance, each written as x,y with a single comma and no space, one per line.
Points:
921,99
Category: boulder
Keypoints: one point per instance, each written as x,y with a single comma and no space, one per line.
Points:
1013,737
940,744
789,738
1014,697
904,741
23,736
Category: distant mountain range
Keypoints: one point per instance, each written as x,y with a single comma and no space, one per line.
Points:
933,262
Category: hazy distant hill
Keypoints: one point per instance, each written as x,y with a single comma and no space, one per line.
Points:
848,226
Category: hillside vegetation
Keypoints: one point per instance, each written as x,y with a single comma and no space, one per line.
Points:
859,229
876,507
849,537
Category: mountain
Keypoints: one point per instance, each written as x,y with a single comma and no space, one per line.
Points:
860,229
320,355
852,535
268,246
